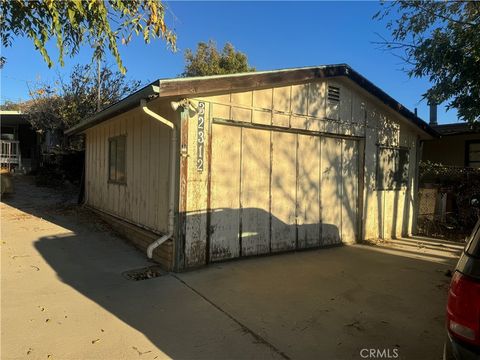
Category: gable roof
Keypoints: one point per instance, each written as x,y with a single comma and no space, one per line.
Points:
205,85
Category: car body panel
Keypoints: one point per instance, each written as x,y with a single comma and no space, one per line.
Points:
468,265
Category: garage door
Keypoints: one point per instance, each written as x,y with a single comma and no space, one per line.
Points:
275,191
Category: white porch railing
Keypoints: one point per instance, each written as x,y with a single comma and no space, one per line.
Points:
10,153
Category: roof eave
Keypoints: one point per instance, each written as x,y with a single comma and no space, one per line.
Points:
217,84
238,82
119,107
391,102
185,87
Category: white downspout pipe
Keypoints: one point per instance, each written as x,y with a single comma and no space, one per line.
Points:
171,191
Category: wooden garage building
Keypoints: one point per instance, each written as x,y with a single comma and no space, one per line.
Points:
221,167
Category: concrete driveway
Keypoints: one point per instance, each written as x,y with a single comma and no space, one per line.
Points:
64,297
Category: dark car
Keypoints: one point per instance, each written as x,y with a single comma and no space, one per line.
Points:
463,307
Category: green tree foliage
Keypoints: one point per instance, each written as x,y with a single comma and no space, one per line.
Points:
68,101
73,23
439,40
207,60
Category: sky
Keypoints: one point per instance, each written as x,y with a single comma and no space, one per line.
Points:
274,35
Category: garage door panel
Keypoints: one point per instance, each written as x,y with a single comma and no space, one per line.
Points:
225,193
283,190
349,190
331,190
275,191
308,191
255,192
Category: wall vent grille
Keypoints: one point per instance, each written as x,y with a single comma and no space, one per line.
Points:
333,93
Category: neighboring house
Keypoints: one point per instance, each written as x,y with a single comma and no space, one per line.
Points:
256,163
444,194
19,142
458,145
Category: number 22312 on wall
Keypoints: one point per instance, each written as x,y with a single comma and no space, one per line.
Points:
200,136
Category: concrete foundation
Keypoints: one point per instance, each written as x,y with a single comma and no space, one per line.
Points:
141,238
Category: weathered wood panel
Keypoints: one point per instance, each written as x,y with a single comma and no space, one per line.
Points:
240,113
143,200
389,201
331,190
114,188
372,211
98,140
299,99
308,192
255,192
281,106
196,216
399,212
283,191
145,169
301,106
412,192
138,174
300,122
90,168
289,202
225,193
328,210
155,150
262,100
316,100
102,174
387,213
349,191
129,194
346,105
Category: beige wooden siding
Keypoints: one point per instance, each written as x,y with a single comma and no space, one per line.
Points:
143,200
350,171
304,178
308,192
388,213
196,216
302,107
283,190
266,190
264,159
331,190
225,194
255,191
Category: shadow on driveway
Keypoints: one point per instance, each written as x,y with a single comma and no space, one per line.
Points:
328,303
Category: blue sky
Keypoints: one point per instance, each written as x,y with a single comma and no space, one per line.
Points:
273,34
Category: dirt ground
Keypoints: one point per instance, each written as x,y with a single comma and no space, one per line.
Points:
63,295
